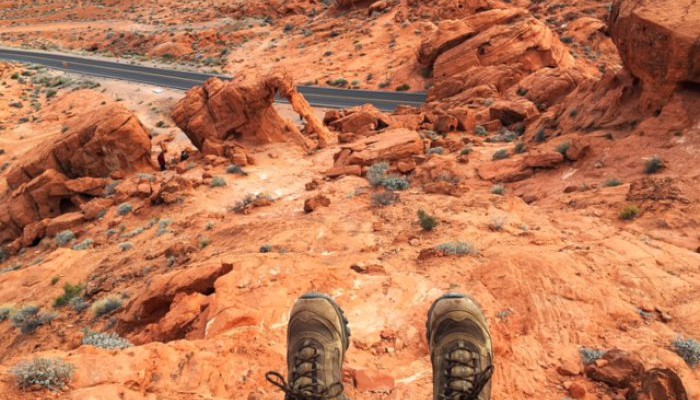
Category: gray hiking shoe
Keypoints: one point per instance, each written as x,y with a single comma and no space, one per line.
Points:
317,338
460,349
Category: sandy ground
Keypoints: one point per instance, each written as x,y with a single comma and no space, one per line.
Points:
552,278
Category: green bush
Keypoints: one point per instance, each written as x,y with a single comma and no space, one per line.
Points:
629,213
612,182
235,169
63,238
78,304
377,177
124,209
403,88
108,341
28,319
689,350
465,151
457,249
204,242
563,148
385,198
427,221
377,173
69,292
5,312
86,244
654,165
500,155
589,356
218,181
46,373
106,306
126,246
520,148
498,190
436,150
481,131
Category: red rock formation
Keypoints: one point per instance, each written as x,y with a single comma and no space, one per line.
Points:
497,37
221,116
63,174
658,43
108,140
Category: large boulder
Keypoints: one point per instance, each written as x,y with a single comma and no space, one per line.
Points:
492,38
107,140
393,145
658,43
219,116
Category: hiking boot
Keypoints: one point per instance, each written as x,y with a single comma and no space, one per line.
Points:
317,338
460,349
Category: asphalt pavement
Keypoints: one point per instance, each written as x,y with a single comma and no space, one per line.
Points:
184,80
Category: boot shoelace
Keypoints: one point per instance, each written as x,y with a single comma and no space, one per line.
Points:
305,367
463,381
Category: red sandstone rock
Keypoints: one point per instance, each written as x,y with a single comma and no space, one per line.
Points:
219,116
311,204
658,43
108,139
620,369
373,381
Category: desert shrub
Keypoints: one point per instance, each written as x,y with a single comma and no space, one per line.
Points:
111,188
394,182
481,131
427,221
164,226
218,181
457,249
109,341
252,200
235,169
436,150
124,209
84,245
629,212
69,293
3,255
377,173
5,312
46,373
106,306
63,238
520,148
654,165
403,88
133,233
541,136
498,190
385,198
563,148
466,151
689,350
266,248
126,246
204,242
496,224
28,319
589,356
612,182
500,155
78,304
209,226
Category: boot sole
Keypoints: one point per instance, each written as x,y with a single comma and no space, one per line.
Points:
338,310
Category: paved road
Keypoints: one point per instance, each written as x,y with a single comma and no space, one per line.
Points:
317,96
